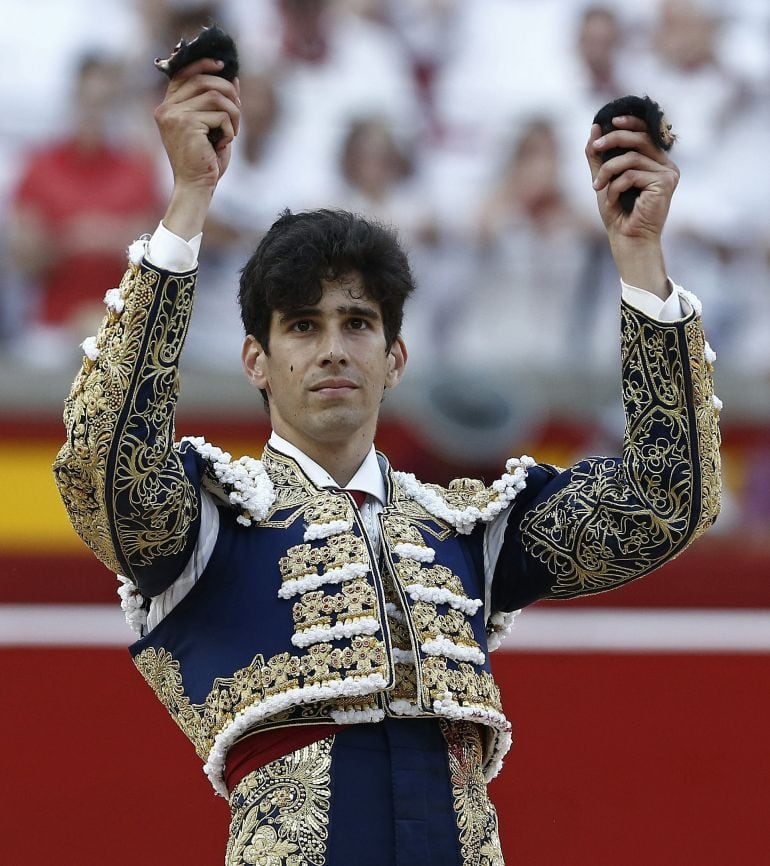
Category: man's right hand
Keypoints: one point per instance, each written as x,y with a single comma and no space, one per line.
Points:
197,101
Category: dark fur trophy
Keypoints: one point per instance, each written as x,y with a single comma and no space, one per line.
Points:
652,114
211,42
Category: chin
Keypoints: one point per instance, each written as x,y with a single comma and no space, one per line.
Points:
339,423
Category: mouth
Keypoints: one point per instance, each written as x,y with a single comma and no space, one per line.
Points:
334,387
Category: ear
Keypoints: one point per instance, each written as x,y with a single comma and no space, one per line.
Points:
397,356
254,360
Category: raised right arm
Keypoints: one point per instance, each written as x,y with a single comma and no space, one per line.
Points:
124,485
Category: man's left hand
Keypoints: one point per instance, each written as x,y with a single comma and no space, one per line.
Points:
634,237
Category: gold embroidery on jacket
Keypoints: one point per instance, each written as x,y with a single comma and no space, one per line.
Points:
463,492
280,812
400,530
355,600
161,670
435,576
405,688
706,420
402,517
302,560
261,680
453,624
297,495
399,633
616,521
475,814
131,386
466,685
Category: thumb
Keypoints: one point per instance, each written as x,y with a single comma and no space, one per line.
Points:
592,155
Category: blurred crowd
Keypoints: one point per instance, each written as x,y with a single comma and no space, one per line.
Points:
461,123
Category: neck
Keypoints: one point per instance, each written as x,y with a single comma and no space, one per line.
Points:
341,459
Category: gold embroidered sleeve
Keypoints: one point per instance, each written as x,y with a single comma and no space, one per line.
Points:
606,521
121,480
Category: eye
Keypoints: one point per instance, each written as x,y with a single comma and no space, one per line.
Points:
358,324
302,326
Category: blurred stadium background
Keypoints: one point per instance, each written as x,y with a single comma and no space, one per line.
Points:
640,716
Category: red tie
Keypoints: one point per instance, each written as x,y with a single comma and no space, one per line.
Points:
359,496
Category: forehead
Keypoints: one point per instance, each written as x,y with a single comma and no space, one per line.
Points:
338,296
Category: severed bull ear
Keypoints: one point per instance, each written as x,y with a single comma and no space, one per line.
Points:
211,42
658,127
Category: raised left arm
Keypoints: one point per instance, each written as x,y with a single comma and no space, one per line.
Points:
608,520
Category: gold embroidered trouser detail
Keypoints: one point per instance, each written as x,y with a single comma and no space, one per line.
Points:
476,816
280,813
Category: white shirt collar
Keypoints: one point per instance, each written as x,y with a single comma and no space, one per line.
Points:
368,477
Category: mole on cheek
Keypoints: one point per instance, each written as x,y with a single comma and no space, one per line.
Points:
291,368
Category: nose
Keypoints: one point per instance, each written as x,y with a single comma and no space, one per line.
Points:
333,349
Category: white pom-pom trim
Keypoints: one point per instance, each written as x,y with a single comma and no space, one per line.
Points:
114,302
364,625
404,657
443,646
499,750
718,404
297,585
421,553
315,531
249,485
507,487
354,717
132,604
709,354
439,595
394,613
502,623
247,718
448,707
89,348
137,250
401,707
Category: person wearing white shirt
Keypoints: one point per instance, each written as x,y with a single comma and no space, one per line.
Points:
317,622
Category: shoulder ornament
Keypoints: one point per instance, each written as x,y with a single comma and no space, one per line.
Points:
467,502
244,482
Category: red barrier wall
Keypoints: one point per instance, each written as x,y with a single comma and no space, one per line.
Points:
621,759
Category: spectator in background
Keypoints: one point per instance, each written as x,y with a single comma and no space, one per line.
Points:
430,34
599,40
261,181
375,179
380,177
705,103
601,60
531,246
685,72
599,75
331,67
76,202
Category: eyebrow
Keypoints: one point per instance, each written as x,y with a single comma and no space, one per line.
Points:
362,312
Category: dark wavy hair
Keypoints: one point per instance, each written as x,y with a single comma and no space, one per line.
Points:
301,250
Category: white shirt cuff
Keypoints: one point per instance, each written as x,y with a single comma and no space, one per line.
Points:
651,305
169,252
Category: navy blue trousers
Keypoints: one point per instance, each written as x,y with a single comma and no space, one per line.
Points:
402,792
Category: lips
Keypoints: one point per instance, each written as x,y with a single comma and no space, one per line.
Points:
331,386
